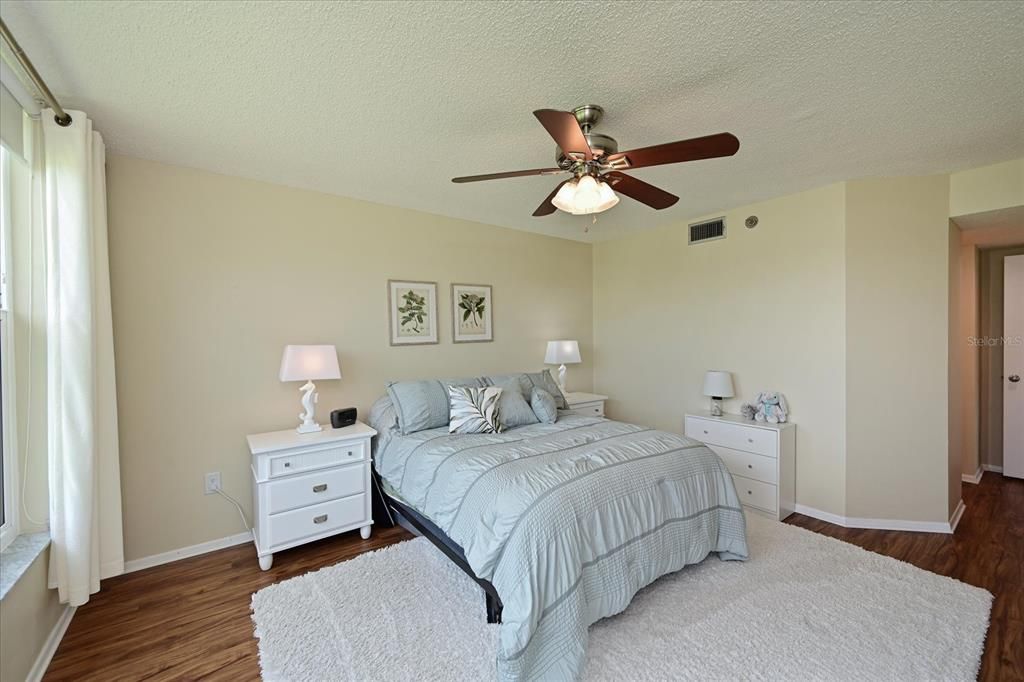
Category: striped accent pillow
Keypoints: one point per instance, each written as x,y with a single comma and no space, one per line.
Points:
474,410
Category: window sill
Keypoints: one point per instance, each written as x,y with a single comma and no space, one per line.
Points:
18,556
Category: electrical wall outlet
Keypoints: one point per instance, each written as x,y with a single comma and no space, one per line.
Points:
212,482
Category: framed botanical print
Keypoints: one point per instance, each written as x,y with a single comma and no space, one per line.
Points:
412,312
472,309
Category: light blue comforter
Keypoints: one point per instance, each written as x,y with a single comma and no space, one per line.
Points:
568,521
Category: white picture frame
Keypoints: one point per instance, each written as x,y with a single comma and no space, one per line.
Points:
472,313
412,312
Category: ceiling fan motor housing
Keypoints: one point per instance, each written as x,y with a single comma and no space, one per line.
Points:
601,145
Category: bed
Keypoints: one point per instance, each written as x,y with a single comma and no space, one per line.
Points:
560,524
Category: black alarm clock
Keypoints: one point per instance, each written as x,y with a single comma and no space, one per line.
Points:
344,417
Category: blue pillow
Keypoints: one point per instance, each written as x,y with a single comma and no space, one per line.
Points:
543,405
513,410
544,380
423,404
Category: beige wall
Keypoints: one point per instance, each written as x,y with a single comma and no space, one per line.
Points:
967,322
897,336
212,275
28,614
988,188
765,304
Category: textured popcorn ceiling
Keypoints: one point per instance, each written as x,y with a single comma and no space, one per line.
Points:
388,101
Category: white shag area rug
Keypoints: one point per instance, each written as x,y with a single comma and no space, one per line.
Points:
803,607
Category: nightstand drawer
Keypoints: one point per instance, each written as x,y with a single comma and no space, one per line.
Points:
735,436
748,464
320,486
756,494
295,525
286,465
588,409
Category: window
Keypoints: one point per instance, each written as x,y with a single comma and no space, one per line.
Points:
8,461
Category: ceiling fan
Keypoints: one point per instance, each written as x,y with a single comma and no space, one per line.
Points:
596,163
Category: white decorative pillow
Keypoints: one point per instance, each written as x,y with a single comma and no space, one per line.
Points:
474,410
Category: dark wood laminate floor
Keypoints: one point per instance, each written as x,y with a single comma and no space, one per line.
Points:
190,619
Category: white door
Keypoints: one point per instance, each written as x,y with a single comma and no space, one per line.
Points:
1013,366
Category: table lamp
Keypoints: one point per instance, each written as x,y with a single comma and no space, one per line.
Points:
306,363
560,353
718,385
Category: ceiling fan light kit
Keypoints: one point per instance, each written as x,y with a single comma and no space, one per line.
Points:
596,163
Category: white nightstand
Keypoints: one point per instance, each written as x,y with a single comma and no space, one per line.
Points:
587,404
308,486
760,456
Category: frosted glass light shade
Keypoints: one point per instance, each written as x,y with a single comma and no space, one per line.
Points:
562,352
306,363
584,196
718,384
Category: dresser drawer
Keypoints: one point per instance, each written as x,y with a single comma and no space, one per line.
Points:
320,486
588,409
756,493
307,460
747,464
735,436
297,524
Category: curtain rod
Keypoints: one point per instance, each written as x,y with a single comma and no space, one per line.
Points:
62,117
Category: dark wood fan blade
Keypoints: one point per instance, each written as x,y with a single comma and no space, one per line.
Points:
641,191
565,129
546,207
510,174
709,147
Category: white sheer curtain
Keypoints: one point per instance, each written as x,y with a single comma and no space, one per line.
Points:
85,479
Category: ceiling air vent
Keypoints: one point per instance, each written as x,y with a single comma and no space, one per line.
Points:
707,230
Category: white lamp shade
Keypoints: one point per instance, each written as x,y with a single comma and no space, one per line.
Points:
718,384
305,363
562,353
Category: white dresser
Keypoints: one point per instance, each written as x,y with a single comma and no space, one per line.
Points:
588,404
308,486
760,456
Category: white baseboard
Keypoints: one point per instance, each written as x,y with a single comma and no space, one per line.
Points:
50,646
876,524
958,514
974,478
995,468
186,552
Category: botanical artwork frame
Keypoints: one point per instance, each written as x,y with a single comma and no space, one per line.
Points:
472,313
412,312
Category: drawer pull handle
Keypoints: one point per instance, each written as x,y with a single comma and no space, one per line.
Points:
749,466
287,464
320,488
320,519
750,440
705,432
749,492
349,453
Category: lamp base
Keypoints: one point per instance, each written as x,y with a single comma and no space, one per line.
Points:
561,378
716,407
309,400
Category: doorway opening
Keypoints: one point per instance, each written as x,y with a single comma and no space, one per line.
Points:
990,318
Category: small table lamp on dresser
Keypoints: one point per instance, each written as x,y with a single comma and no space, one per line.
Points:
306,363
718,385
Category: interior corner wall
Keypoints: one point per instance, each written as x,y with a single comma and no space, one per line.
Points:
765,304
897,339
954,373
970,354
